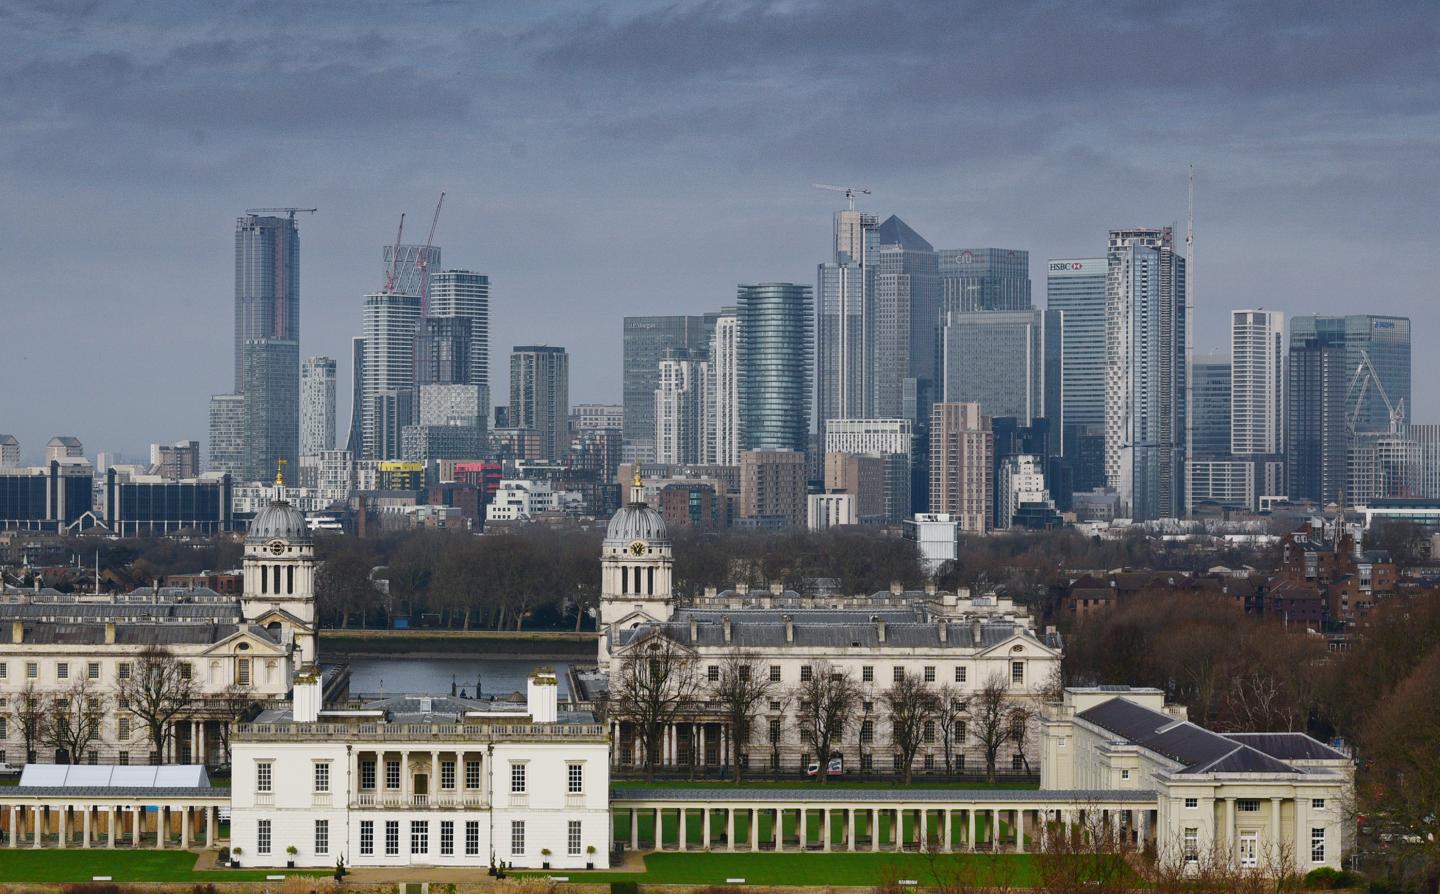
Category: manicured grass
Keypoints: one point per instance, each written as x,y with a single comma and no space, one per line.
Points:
891,785
819,869
77,865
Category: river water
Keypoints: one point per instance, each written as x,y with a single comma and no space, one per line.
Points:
397,675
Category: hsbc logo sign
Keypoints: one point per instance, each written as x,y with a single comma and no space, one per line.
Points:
1066,266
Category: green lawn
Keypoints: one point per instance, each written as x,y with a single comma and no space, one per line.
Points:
818,869
75,865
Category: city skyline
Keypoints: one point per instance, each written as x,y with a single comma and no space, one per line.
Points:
1032,178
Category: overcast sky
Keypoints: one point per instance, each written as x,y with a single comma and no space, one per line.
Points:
644,158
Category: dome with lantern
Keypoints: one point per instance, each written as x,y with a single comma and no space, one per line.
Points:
279,521
636,521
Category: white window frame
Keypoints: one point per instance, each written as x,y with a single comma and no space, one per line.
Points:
518,778
265,776
367,838
322,837
322,776
264,838
1317,845
447,838
419,837
472,838
392,838
1192,803
517,838
575,778
573,833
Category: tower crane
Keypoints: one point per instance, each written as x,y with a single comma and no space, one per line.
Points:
423,261
1360,384
289,211
395,256
850,191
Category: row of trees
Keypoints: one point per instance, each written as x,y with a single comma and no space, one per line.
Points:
548,578
658,684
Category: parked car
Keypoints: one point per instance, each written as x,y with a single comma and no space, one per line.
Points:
836,767
9,770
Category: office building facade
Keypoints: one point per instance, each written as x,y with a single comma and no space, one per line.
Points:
465,295
774,365
1257,382
962,466
842,359
646,339
9,452
540,395
995,359
681,410
723,430
317,406
1146,371
1211,389
227,434
772,487
178,460
984,279
903,331
388,369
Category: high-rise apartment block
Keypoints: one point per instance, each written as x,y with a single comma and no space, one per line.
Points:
1331,359
589,417
64,449
267,340
388,323
842,355
772,487
1257,382
864,477
681,409
995,359
9,452
175,461
465,295
774,364
227,434
904,329
1146,371
984,279
442,351
1021,481
317,406
890,442
723,425
962,466
646,339
540,395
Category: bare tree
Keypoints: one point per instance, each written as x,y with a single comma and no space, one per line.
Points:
911,705
990,719
950,717
656,681
159,689
234,704
827,699
28,711
73,720
742,688
1020,717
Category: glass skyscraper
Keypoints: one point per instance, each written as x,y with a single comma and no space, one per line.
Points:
462,294
646,339
1210,385
540,395
317,406
776,341
842,362
994,358
903,332
388,368
980,279
1075,291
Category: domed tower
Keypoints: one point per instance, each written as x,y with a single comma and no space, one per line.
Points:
635,565
279,569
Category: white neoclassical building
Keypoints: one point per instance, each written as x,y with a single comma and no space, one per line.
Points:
952,640
234,648
422,781
1252,800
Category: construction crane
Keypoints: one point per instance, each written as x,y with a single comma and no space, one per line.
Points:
395,256
423,261
1360,385
850,191
289,211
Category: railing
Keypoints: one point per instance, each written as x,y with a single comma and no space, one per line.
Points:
451,800
320,799
264,799
413,732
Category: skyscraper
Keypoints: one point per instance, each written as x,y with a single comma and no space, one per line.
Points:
681,411
1211,413
442,351
227,434
903,334
1330,362
1257,382
775,355
267,340
466,295
388,325
411,268
646,339
317,406
962,466
1145,373
1075,289
355,442
841,292
540,395
723,426
995,359
984,279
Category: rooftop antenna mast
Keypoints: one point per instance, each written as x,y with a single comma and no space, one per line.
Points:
1190,318
850,191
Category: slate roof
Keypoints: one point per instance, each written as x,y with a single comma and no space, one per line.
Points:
220,610
840,793
828,630
1197,749
169,633
1289,746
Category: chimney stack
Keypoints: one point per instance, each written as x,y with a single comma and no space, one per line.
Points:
930,588
17,632
879,627
777,588
896,588
725,623
694,630
943,626
975,631
542,696
789,628
305,695
109,633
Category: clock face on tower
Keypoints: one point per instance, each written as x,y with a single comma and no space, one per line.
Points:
637,548
276,547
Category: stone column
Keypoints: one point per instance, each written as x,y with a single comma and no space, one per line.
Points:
680,829
970,840
850,830
14,825
730,829
634,828
1275,830
160,827
405,777
110,826
924,817
185,827
1302,834
62,837
995,830
705,827
826,832
754,829
36,813
1229,850
1020,830
700,757
135,834
872,816
779,829
210,826
85,831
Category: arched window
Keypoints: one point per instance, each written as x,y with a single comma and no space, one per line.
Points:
264,580
289,579
277,579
